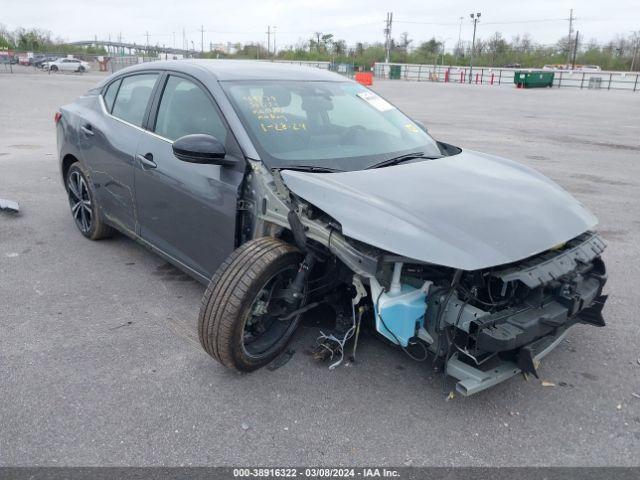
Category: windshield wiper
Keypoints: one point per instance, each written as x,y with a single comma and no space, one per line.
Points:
402,158
311,168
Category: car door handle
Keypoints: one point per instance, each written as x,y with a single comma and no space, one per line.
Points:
87,129
147,160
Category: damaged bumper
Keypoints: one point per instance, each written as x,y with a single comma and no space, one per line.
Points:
473,379
523,341
566,289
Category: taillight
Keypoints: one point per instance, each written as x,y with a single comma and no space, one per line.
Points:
57,117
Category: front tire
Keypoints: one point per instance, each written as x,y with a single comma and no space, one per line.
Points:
83,203
53,68
241,316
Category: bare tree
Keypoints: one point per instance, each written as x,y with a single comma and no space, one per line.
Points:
496,46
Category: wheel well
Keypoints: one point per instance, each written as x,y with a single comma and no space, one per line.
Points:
67,161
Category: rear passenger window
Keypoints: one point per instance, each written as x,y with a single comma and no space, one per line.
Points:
110,95
133,97
186,109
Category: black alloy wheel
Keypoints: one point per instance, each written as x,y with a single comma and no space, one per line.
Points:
84,208
245,319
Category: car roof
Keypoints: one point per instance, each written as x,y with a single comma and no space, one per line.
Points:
224,70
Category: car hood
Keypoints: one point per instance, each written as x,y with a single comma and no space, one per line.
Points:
467,211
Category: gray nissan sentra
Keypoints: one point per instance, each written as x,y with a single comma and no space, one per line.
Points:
285,187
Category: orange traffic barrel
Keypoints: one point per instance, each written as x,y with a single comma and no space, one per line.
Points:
364,78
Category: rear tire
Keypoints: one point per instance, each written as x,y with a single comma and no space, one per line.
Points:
84,204
227,321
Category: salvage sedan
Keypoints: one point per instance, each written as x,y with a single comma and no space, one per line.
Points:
284,187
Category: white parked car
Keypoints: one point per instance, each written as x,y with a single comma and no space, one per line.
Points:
67,65
589,68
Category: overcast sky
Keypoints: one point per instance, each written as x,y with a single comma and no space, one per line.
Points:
351,20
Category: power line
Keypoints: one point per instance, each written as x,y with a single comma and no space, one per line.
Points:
509,22
515,22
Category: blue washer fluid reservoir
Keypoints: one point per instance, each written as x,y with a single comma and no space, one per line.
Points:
402,312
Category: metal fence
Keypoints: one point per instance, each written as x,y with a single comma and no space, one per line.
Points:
598,80
118,63
321,65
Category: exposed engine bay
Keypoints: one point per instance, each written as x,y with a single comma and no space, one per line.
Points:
481,326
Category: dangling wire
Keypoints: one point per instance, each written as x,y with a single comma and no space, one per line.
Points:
340,342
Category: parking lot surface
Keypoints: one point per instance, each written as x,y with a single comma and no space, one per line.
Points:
100,362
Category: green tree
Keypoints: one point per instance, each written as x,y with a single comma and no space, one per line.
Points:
427,52
339,48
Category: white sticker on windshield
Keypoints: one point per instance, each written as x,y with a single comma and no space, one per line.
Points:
375,101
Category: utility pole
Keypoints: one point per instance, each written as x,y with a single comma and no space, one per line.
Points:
475,19
387,35
185,45
174,40
275,51
459,44
201,38
268,40
571,18
635,49
575,50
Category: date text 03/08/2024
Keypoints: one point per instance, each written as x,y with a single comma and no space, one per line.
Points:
315,472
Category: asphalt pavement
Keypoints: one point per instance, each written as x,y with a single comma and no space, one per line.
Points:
100,362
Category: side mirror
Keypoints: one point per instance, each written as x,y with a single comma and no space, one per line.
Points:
201,148
421,126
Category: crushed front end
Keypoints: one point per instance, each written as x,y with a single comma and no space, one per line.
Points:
481,325
488,325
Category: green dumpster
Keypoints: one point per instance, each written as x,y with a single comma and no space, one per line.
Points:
533,78
394,72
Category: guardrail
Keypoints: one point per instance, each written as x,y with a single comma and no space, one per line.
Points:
598,80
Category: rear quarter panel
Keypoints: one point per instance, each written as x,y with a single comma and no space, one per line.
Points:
67,134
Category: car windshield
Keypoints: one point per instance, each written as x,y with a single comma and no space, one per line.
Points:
325,125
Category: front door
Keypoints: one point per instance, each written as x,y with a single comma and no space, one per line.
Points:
187,210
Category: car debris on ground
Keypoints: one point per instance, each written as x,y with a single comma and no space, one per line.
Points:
9,206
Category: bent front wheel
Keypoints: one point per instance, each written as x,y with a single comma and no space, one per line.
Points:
245,319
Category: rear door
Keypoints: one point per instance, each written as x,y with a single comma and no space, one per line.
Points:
109,138
187,210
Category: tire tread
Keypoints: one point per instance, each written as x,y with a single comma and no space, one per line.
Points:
228,292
